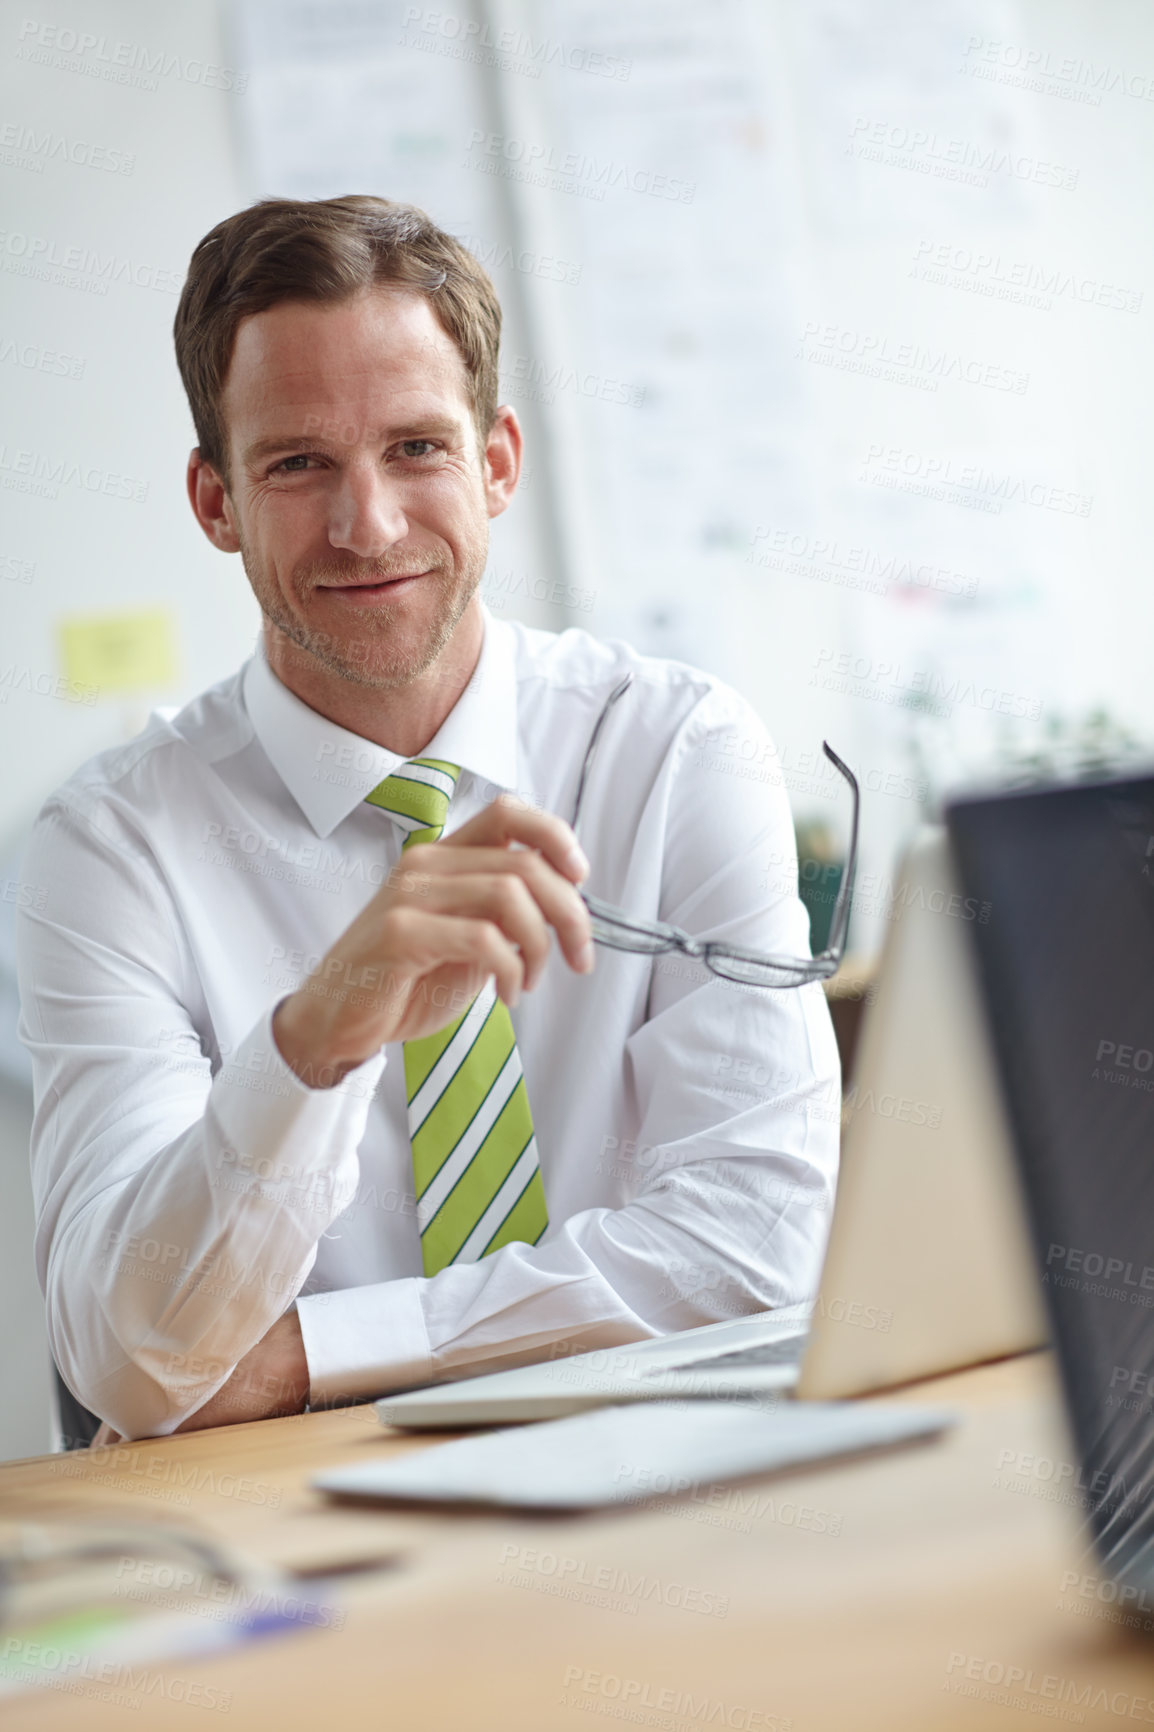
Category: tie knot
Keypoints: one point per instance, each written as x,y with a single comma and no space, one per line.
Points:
417,795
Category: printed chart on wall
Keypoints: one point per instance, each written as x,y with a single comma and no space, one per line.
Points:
659,174
346,98
955,496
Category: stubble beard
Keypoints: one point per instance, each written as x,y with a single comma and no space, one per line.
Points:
367,657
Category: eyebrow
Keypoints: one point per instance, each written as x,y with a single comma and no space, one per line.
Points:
417,429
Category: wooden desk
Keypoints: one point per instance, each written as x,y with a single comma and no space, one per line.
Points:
891,1592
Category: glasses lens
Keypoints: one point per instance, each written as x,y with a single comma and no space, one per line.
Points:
625,935
754,972
612,926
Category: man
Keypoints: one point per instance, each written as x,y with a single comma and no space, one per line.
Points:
319,1114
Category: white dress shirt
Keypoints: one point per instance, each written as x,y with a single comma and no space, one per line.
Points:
189,1186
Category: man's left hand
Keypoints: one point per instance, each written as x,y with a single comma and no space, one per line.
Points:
270,1381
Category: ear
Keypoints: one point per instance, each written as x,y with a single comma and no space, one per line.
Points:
503,451
210,503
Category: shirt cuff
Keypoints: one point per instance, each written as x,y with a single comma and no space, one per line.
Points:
275,1131
365,1341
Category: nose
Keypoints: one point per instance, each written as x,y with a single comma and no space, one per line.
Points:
366,517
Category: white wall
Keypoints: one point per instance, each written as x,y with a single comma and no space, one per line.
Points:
126,414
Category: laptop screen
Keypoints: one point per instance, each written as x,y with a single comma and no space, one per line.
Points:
1066,963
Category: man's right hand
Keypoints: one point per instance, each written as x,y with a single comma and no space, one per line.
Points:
452,913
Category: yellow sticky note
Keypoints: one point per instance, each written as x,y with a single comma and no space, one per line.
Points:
120,652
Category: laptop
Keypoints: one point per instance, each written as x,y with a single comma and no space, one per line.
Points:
927,1267
1066,964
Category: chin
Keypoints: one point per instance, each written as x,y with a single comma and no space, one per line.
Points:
383,665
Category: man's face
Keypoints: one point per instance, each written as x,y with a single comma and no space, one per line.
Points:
357,489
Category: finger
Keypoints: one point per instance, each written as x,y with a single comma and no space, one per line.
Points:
456,881
446,994
507,900
502,897
419,940
344,1011
508,820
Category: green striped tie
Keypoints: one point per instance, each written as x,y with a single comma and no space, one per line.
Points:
478,1182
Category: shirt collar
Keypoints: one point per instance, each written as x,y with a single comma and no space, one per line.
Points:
328,770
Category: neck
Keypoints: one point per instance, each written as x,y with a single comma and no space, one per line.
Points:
402,719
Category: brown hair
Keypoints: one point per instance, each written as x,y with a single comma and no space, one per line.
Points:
326,249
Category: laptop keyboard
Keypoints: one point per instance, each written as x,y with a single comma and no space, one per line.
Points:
784,1352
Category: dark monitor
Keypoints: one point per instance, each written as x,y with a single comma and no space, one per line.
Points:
1066,964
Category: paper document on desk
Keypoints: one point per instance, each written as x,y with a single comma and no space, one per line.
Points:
623,1455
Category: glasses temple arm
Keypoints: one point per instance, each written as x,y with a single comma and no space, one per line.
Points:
592,747
840,919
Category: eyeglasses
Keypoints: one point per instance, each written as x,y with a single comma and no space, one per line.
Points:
620,931
76,1594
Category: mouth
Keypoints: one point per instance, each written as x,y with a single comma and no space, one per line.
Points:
382,586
